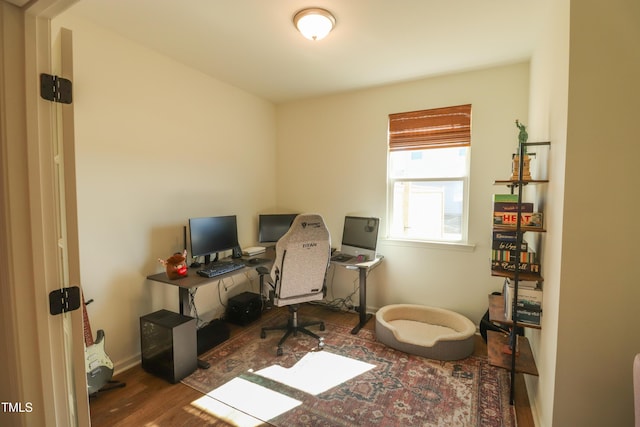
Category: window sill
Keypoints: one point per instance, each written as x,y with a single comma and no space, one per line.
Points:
453,246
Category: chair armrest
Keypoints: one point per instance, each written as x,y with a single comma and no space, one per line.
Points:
262,270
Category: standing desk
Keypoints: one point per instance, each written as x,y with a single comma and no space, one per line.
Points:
363,269
193,280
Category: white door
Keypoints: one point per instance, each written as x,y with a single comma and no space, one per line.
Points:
68,258
57,240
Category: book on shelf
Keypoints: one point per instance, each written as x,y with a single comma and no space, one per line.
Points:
509,266
507,245
532,317
504,236
527,219
505,198
529,305
510,255
512,207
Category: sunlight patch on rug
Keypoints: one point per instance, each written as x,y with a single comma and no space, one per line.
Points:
225,412
317,372
263,404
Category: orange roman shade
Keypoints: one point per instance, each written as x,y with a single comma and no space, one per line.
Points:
435,128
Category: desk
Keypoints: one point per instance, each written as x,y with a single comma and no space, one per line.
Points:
363,268
193,280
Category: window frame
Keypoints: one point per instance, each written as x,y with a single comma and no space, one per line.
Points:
464,231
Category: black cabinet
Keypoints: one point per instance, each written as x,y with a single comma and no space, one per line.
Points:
168,345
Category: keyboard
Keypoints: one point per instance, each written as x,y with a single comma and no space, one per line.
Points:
219,267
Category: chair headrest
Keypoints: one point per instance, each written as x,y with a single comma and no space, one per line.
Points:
306,226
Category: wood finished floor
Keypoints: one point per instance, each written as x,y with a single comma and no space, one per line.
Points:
149,401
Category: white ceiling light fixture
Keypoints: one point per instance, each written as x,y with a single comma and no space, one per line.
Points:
314,23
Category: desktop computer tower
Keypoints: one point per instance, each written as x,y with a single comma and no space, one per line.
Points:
244,308
168,345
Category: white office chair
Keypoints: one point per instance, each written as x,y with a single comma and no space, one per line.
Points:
299,271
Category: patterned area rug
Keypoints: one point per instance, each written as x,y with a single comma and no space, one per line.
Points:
402,389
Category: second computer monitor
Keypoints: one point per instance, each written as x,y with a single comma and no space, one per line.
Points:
360,236
271,227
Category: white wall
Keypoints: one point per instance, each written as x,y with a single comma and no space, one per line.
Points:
548,122
332,154
598,327
157,143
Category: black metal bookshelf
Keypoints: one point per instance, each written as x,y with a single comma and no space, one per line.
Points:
512,351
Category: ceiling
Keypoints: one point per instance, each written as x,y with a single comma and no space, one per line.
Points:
18,3
253,45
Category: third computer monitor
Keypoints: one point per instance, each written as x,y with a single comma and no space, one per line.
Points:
360,236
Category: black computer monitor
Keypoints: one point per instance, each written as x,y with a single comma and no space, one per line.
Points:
211,235
271,227
360,236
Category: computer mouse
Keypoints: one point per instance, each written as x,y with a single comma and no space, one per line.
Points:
254,261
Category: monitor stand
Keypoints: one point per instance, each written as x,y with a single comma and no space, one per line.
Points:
207,261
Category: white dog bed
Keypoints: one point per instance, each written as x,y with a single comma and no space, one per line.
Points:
429,332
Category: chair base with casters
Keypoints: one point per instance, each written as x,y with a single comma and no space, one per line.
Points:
293,327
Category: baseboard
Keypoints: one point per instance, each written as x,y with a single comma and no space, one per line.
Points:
531,385
126,364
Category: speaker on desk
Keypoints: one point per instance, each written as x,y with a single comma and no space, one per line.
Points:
236,252
244,308
168,345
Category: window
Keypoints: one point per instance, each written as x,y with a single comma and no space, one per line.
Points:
428,174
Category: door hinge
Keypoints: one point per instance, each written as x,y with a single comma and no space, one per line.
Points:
56,89
63,300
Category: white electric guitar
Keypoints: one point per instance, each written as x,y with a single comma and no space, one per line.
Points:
98,366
